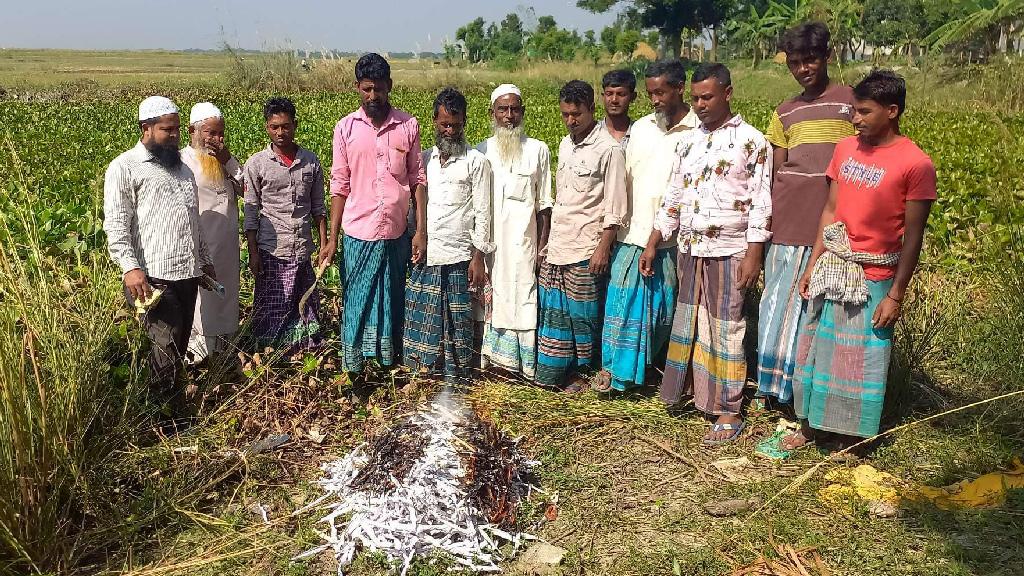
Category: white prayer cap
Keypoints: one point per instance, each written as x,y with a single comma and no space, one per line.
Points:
504,90
203,111
156,106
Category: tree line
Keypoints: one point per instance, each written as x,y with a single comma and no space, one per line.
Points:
969,30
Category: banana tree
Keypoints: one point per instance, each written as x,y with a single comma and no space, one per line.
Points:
758,33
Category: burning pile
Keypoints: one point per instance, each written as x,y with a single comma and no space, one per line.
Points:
441,480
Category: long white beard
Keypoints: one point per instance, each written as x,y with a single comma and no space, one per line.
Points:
509,142
663,120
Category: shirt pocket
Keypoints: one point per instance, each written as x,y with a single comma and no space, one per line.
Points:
584,177
397,158
302,188
457,185
520,188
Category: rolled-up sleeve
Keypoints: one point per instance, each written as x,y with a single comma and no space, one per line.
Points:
759,186
317,205
667,219
616,201
341,171
482,185
545,194
414,165
251,202
118,217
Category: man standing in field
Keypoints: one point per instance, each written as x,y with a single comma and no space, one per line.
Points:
618,91
438,315
590,206
151,219
638,309
523,198
803,133
377,167
218,178
881,190
720,204
284,201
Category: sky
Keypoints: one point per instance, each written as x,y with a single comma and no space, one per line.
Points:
345,25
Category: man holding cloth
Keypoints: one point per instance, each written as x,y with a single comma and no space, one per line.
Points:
151,219
523,198
218,178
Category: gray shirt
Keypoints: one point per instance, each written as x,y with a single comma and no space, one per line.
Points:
151,217
281,202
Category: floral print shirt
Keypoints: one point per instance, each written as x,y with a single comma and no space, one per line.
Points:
719,198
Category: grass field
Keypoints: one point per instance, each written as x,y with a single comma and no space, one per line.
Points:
87,486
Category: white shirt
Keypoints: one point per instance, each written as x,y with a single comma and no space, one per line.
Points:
151,217
458,207
521,190
650,157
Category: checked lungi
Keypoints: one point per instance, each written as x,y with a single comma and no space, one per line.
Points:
781,312
439,320
707,334
842,364
371,324
569,327
276,319
638,314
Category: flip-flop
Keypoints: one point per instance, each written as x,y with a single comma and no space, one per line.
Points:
736,430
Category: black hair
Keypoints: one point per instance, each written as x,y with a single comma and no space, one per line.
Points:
808,38
885,87
452,100
712,70
278,105
577,92
673,70
372,66
619,78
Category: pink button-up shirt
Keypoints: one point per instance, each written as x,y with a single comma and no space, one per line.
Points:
376,171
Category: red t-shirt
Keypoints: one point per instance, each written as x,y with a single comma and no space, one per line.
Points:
875,183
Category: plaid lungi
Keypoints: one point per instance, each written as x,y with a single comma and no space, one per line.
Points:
371,324
707,334
637,314
569,329
276,319
514,350
439,320
780,315
842,363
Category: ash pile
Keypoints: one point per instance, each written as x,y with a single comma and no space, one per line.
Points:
441,480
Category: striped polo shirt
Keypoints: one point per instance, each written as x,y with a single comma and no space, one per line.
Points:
809,130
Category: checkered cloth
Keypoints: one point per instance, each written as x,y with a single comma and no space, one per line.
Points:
838,274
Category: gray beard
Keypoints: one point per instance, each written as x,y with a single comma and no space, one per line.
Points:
450,147
508,141
663,119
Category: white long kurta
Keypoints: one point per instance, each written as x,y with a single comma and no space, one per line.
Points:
218,222
521,190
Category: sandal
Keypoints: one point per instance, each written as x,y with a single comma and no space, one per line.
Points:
735,428
602,382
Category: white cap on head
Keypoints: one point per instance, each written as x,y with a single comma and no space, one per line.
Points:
203,111
155,107
504,90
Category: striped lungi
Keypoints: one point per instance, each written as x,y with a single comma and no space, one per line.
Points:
276,319
780,315
374,293
637,314
569,329
842,364
513,350
438,320
707,332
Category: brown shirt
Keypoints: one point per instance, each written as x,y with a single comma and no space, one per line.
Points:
281,202
590,195
809,130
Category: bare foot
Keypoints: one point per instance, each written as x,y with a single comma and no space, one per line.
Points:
796,440
577,383
603,381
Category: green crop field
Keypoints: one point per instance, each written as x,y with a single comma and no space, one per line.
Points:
88,487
